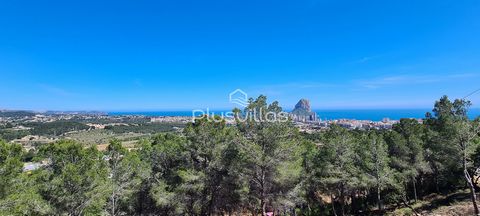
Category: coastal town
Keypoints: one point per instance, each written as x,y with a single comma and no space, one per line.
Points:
34,128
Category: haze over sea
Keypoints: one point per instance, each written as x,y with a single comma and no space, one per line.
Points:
358,114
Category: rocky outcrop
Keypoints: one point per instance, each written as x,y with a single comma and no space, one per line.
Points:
302,108
303,111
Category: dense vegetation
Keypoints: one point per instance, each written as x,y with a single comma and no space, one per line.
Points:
10,134
145,128
55,128
251,167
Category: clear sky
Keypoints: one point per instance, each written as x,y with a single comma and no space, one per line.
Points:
167,55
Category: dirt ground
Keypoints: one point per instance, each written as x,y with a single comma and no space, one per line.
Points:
455,204
456,209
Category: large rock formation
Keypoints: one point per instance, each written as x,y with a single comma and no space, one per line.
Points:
302,107
303,111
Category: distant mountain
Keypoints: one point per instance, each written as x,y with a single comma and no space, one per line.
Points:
302,108
303,111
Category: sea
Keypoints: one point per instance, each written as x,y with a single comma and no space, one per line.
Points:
331,114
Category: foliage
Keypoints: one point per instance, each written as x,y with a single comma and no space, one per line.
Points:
18,191
9,134
146,128
75,181
252,166
55,128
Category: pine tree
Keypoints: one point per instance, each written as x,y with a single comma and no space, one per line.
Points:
273,163
75,181
126,173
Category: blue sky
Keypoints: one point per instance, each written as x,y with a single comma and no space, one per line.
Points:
167,55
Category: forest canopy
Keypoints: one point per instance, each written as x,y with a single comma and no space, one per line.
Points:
211,168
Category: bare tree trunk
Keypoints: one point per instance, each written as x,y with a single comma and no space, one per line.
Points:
264,207
113,203
333,205
415,189
342,201
435,178
472,191
364,202
468,178
353,204
379,199
406,190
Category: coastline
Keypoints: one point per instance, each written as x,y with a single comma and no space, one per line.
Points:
324,114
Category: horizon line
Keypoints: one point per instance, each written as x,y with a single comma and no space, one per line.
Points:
214,109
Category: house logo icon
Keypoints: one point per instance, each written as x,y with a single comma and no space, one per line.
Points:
239,97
